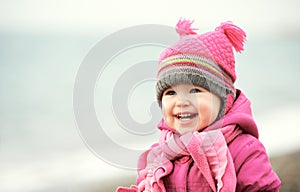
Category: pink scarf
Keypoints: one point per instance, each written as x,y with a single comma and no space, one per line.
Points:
208,149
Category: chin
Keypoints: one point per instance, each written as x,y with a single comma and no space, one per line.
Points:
183,131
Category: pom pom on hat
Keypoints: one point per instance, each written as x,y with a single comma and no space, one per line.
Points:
183,27
236,35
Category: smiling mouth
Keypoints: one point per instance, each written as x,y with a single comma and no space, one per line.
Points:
186,116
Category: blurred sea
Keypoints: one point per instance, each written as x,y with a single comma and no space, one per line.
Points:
40,147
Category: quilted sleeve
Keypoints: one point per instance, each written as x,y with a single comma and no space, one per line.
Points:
252,165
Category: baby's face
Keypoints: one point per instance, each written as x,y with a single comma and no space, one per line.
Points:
189,108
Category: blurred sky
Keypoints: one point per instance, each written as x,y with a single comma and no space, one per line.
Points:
43,43
270,16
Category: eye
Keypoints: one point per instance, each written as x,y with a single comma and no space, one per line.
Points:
195,90
170,92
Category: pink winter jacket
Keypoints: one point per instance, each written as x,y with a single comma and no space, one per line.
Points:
251,163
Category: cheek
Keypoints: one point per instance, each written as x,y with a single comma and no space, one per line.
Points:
215,108
209,108
205,109
216,105
165,109
167,116
166,103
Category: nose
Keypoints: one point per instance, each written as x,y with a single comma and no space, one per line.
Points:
183,101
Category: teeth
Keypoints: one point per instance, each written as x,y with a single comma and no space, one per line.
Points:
184,115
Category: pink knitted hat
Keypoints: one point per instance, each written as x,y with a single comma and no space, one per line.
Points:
206,60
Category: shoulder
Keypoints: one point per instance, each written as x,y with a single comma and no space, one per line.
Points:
253,168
